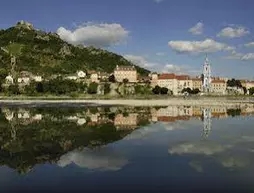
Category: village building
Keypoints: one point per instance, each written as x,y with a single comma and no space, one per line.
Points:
94,77
125,72
154,79
168,81
71,77
81,74
197,83
218,86
24,80
247,84
103,76
183,81
9,79
37,78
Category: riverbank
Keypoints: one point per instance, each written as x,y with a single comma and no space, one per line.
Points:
206,101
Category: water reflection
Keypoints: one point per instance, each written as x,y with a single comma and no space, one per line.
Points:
126,141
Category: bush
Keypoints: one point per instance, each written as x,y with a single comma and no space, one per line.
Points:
14,89
106,88
92,88
164,90
156,90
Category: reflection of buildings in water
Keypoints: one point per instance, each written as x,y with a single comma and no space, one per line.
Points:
171,114
207,115
219,112
129,121
247,110
21,115
174,113
9,114
78,120
95,117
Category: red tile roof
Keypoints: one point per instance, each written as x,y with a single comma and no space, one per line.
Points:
219,81
167,76
182,77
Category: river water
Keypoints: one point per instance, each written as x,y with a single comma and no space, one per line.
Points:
132,149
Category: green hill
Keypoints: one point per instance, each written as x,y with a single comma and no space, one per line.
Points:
46,53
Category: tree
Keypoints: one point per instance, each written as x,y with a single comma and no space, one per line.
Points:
156,90
92,88
142,89
195,91
106,88
234,112
39,87
3,74
234,83
251,91
125,81
111,78
164,90
14,89
188,90
245,90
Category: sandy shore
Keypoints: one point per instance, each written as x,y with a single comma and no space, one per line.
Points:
135,102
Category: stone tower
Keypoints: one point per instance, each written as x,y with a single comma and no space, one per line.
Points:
207,76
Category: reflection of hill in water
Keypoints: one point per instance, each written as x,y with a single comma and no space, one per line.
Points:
27,138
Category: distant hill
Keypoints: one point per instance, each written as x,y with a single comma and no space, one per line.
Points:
46,53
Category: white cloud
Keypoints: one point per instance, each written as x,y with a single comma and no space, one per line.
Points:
98,35
197,29
206,46
159,67
139,61
251,44
240,56
248,56
103,159
206,148
233,32
180,69
158,1
234,56
160,54
150,130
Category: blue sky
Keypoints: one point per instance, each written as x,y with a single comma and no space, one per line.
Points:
162,35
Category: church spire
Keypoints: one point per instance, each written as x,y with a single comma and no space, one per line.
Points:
207,75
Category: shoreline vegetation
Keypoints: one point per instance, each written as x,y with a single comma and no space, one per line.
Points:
235,101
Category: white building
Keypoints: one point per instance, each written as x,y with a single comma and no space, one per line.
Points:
81,74
94,77
37,78
24,80
168,81
9,79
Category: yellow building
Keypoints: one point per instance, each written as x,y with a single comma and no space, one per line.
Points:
197,83
218,86
125,72
184,81
168,81
94,77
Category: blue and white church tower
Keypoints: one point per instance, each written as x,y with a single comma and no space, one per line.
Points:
207,76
